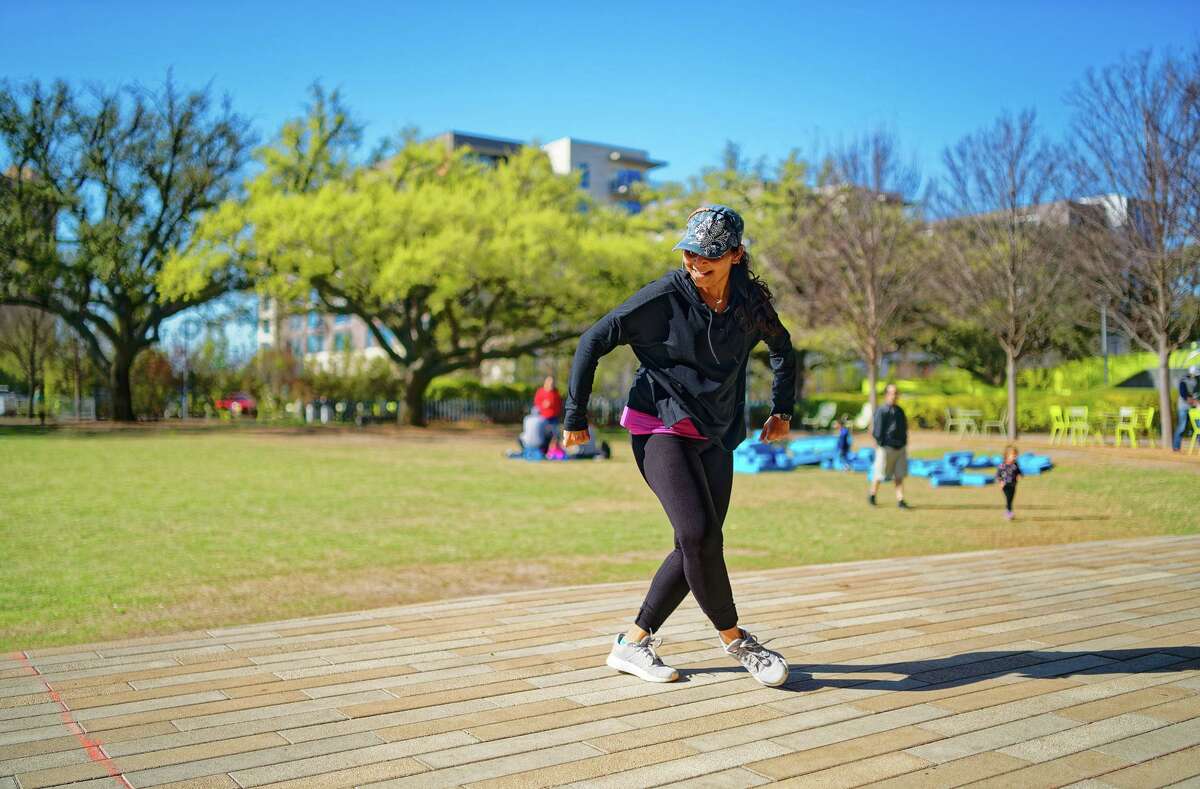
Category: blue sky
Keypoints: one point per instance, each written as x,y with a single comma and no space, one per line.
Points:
678,79
675,78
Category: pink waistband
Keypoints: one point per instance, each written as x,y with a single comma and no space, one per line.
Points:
639,423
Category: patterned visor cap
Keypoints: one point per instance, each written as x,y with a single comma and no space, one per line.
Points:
712,231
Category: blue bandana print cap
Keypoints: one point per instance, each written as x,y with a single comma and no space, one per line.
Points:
712,231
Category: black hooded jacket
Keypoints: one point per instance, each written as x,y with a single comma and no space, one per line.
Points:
693,360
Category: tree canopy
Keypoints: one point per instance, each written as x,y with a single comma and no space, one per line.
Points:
449,260
97,191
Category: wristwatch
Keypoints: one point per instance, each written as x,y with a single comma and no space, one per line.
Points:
784,417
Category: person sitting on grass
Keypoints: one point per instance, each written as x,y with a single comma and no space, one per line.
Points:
534,434
588,450
1006,474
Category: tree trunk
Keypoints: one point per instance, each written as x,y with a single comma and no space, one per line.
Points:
414,398
1010,373
31,373
801,356
1164,393
873,382
122,391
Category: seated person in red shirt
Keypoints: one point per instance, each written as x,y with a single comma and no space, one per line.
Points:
549,404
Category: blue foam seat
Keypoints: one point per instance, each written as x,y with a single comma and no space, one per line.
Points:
958,459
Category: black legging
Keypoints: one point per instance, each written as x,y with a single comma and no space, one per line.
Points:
692,479
1009,492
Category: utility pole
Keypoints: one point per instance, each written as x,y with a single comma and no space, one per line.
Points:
1104,339
189,329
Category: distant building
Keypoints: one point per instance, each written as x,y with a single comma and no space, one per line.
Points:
317,337
607,172
487,149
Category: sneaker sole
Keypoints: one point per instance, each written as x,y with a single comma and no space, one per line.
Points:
629,668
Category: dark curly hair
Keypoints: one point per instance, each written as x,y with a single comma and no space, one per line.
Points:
756,312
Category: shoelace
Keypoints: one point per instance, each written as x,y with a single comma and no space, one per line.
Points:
750,648
647,645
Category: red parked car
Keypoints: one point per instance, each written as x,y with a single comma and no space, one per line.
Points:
238,403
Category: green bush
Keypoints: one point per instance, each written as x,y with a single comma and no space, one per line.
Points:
946,380
1033,407
1080,375
848,404
153,382
452,388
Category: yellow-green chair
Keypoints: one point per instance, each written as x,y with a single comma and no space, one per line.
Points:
1077,421
1146,423
1128,421
1058,424
1194,418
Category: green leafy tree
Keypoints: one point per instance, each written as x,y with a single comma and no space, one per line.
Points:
155,384
449,261
966,345
98,191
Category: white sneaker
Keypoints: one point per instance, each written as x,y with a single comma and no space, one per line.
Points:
639,659
765,665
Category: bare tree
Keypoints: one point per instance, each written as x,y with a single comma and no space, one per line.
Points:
775,204
74,362
1002,238
1137,152
27,334
860,244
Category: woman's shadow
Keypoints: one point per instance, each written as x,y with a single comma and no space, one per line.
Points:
969,667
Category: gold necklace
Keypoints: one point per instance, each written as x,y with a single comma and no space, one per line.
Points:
716,303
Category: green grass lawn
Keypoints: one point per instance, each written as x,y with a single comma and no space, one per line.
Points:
115,533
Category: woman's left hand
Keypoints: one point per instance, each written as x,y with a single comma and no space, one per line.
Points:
775,429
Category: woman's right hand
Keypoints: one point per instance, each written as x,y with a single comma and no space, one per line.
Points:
575,438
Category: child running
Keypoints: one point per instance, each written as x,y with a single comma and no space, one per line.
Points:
843,442
1007,474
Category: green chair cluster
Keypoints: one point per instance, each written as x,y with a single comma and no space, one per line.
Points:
970,421
1078,425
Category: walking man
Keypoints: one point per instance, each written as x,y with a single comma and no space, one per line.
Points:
890,430
1189,398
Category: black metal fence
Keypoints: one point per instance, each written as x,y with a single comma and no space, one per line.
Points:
603,411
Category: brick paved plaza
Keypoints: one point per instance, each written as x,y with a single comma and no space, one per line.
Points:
1023,667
